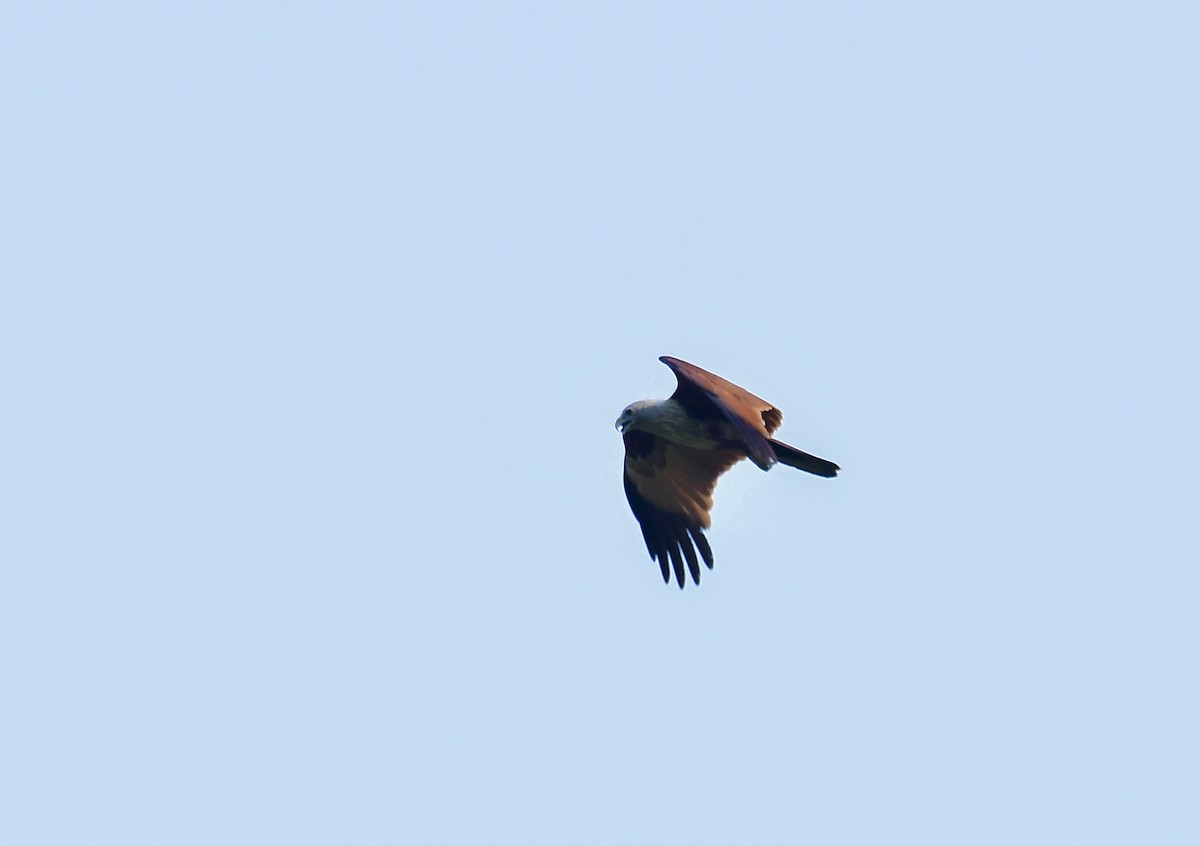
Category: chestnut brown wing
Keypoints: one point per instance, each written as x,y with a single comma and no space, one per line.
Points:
706,396
669,487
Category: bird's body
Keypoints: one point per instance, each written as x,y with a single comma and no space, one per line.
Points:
675,449
667,419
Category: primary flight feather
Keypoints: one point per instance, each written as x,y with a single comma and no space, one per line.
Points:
675,449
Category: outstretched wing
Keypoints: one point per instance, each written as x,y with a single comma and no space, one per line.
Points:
669,487
706,396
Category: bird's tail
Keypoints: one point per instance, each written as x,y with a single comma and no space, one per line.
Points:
793,457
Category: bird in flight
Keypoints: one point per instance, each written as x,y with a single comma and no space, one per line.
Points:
675,449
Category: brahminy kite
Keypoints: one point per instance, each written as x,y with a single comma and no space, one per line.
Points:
675,449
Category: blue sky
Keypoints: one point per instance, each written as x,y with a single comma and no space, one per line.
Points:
314,326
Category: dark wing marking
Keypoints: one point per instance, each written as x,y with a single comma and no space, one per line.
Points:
706,396
669,488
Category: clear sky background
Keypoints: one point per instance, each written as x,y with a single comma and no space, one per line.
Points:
315,320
